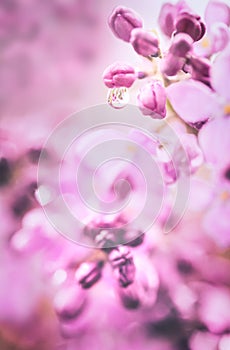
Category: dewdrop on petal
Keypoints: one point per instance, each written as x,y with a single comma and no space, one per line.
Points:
118,97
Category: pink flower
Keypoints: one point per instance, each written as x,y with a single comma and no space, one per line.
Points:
215,142
152,99
119,75
188,108
122,21
144,43
217,19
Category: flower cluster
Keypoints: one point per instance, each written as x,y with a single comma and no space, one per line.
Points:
125,284
189,80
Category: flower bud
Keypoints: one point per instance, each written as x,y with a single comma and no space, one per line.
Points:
119,75
123,265
69,302
199,68
89,273
143,291
168,15
152,100
191,24
181,45
144,43
122,21
170,64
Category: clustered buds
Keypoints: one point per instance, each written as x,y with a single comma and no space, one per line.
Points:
185,28
176,21
178,18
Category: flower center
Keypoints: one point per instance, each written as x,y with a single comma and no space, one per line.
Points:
225,195
205,43
227,109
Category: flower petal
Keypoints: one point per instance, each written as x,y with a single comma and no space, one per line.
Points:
193,101
220,72
215,141
217,11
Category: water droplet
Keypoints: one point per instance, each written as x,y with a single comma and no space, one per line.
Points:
118,97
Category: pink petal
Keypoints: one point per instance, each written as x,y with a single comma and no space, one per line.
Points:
220,72
217,11
216,223
193,101
220,37
215,141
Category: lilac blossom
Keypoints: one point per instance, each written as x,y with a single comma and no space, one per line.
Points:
217,19
214,103
145,289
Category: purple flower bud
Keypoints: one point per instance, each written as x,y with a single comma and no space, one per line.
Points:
69,302
144,43
181,45
143,291
191,24
170,64
89,273
152,99
199,68
123,265
119,75
168,15
122,21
